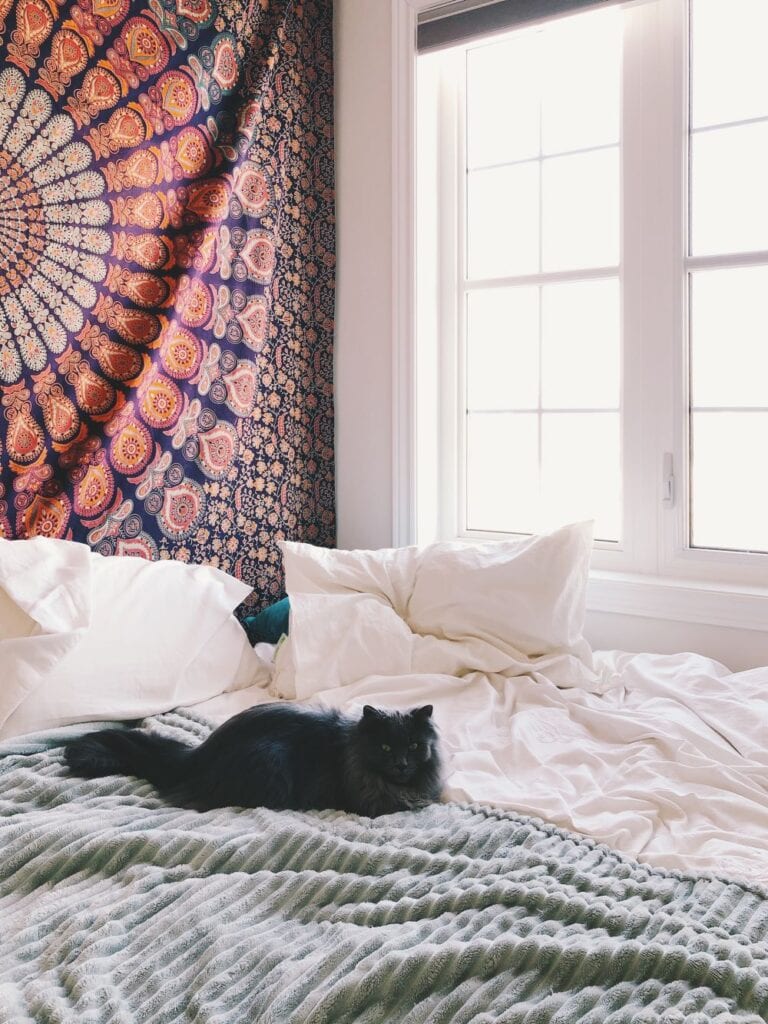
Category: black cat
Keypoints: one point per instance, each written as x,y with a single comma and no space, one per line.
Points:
284,757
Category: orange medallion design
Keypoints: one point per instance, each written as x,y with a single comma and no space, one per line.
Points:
166,276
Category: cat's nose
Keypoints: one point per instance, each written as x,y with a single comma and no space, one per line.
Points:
401,765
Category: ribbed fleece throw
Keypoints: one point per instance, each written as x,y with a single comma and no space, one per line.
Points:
116,908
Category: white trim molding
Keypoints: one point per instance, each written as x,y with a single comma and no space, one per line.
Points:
658,597
404,24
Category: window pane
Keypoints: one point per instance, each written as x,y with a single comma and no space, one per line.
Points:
729,337
503,221
503,349
581,82
581,344
503,101
581,471
580,200
502,472
729,171
542,196
729,480
729,71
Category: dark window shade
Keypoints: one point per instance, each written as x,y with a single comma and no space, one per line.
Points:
457,24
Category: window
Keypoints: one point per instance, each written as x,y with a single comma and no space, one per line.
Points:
728,274
592,300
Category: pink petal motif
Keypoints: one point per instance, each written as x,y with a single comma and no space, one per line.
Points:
182,508
218,449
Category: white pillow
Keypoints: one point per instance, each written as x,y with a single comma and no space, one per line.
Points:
45,607
527,594
160,635
504,608
14,621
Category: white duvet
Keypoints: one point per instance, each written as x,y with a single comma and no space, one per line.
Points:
662,757
669,765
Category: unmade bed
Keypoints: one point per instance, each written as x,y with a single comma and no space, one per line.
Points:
601,854
118,908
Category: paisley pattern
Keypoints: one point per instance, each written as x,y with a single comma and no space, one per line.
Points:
166,277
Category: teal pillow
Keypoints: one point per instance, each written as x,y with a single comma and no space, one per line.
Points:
269,624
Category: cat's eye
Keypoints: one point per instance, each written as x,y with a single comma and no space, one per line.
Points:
413,746
386,746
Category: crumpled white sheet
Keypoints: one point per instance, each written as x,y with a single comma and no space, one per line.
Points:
669,764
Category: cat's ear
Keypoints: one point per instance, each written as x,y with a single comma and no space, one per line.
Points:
370,712
422,713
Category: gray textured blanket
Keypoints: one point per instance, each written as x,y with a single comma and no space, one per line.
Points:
115,908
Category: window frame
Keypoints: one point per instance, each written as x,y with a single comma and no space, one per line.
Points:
653,558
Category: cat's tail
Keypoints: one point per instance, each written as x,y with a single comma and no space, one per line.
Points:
163,762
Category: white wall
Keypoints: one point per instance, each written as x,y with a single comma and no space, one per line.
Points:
363,354
364,334
737,648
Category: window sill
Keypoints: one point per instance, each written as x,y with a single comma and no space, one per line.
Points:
657,597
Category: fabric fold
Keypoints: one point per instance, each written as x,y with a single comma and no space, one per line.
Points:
50,583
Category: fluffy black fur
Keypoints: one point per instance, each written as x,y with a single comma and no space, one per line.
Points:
284,757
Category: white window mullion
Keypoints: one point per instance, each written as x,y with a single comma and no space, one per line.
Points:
674,520
439,243
641,319
737,259
549,277
456,384
426,357
651,280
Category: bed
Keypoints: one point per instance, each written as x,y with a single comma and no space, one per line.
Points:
601,856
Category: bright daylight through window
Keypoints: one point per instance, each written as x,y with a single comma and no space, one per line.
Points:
729,275
592,292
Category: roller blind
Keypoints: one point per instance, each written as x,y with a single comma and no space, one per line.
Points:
462,21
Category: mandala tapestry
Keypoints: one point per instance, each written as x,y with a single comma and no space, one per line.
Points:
166,277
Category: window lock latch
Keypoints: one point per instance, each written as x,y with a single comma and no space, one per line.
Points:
668,481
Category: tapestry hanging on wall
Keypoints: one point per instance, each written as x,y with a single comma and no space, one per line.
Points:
166,277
